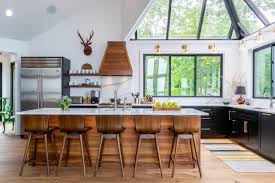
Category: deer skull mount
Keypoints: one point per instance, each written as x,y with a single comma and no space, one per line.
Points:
87,44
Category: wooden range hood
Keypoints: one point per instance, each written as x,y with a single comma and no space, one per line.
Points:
116,60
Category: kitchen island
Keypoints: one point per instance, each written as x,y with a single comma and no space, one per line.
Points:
129,138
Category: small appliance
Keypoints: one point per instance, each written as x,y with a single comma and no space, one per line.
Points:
95,96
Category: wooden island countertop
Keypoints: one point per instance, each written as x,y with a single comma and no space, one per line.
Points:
129,138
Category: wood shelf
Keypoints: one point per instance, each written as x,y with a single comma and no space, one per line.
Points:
82,86
71,74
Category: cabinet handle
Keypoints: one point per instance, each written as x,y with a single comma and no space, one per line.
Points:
206,129
206,109
266,114
245,129
229,117
205,118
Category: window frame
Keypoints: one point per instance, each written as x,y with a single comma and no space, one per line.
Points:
271,45
195,73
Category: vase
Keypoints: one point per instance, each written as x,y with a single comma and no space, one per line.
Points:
64,108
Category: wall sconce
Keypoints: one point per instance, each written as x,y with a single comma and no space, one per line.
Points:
157,48
212,47
185,48
259,38
242,45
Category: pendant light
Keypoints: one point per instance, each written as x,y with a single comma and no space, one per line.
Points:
259,38
185,48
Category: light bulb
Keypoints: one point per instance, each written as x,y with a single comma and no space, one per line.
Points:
185,48
8,12
212,47
259,38
157,48
242,45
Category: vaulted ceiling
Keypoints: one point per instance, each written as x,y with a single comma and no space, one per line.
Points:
32,17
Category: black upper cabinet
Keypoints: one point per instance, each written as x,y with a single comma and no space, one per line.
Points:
268,135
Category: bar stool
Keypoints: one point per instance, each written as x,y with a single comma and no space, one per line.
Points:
37,127
74,127
185,128
110,127
148,127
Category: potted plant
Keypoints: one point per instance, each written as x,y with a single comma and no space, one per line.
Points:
64,103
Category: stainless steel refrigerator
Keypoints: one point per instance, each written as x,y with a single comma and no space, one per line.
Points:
43,81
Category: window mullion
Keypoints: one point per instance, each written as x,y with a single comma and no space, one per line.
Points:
169,76
169,19
195,77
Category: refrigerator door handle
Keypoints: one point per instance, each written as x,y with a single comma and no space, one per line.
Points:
41,91
38,92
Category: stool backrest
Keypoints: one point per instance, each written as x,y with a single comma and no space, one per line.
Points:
109,124
148,124
71,123
187,124
36,123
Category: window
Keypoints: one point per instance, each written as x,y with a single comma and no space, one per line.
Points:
247,16
267,8
204,19
263,69
216,23
183,75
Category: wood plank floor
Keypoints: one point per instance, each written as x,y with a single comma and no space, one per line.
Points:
214,170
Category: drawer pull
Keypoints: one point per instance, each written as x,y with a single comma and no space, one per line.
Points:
205,118
206,109
205,129
266,114
245,128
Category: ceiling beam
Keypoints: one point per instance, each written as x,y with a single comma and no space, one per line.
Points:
257,12
230,31
169,19
240,32
201,18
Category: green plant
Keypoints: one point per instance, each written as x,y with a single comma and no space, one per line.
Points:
64,103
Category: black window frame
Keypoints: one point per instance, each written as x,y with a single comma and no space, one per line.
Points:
271,45
195,73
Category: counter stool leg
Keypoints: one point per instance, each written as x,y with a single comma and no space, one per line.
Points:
82,154
197,156
61,154
98,154
136,161
120,154
87,149
68,151
159,159
54,147
35,152
192,152
172,150
46,152
101,152
25,154
175,155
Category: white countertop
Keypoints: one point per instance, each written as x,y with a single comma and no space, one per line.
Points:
245,107
110,111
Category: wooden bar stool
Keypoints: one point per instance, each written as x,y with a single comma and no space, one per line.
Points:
37,127
148,127
74,127
110,127
185,128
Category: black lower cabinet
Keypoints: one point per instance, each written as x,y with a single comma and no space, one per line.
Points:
267,145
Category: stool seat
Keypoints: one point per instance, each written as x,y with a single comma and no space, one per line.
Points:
84,130
50,129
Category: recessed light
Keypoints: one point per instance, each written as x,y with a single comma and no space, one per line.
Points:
8,12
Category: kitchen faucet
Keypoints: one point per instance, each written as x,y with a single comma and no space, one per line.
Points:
115,100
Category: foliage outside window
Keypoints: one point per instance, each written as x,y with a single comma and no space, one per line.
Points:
205,19
263,72
183,75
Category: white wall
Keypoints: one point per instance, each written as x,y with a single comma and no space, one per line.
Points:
246,59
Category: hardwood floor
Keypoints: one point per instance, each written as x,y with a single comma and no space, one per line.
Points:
214,170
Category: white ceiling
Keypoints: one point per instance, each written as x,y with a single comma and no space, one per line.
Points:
30,17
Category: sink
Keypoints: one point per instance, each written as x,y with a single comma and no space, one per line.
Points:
118,109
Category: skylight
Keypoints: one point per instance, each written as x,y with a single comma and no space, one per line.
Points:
205,19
